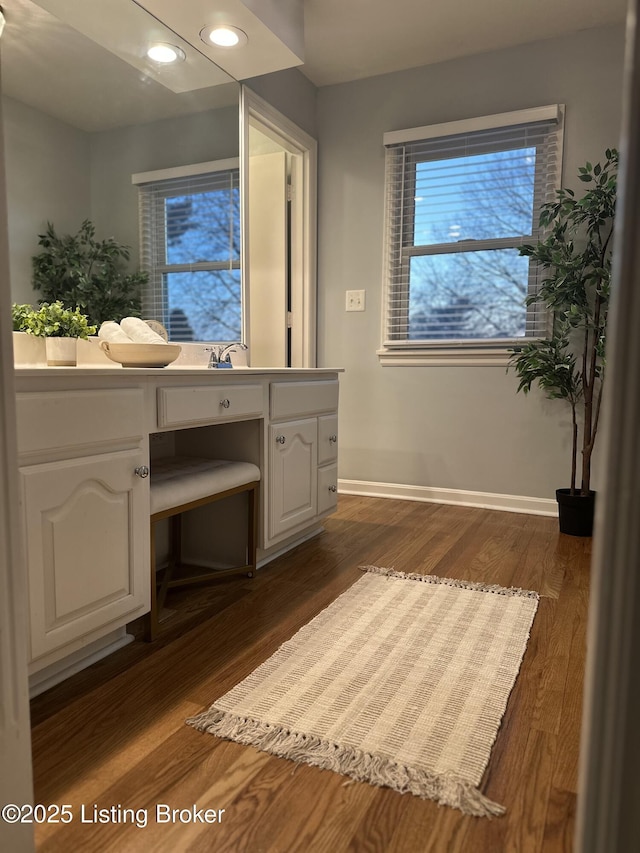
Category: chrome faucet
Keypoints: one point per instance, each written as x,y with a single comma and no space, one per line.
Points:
214,358
221,356
225,353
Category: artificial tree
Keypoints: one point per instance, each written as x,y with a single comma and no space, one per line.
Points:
89,274
575,255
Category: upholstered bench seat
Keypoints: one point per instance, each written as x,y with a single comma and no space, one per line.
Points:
179,480
182,483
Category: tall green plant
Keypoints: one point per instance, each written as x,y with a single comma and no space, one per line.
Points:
82,272
576,258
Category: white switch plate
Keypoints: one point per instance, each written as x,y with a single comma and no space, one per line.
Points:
355,300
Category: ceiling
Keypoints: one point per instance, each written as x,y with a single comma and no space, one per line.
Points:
352,39
62,58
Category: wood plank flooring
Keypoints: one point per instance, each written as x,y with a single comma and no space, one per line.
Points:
114,734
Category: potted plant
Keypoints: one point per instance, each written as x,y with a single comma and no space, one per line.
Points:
81,271
569,364
20,315
28,340
61,328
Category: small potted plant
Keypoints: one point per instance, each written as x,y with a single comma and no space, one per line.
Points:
570,363
28,341
61,328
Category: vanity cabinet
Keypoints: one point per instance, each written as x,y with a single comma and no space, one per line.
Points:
302,454
83,446
85,506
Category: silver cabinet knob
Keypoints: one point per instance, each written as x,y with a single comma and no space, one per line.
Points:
280,439
333,488
333,438
225,403
142,471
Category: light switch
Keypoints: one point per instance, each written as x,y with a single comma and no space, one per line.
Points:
355,300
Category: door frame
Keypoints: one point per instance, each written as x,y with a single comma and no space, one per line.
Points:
257,113
608,816
16,786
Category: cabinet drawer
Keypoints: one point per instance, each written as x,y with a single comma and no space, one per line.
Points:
50,420
327,489
200,404
296,399
327,439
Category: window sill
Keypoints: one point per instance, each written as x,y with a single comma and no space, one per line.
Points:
461,354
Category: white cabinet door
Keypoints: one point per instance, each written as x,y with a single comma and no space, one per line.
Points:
87,535
293,461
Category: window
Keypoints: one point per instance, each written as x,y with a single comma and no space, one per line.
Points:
460,200
190,239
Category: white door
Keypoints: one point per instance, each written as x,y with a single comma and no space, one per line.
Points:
268,260
264,130
293,474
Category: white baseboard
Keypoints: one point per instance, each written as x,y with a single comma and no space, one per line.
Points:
457,497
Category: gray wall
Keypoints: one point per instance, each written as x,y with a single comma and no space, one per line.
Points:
446,427
48,179
291,93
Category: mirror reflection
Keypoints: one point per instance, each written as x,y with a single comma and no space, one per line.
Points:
145,152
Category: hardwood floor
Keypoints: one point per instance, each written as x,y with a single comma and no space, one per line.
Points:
114,735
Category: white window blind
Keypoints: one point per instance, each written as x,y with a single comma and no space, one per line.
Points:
458,205
190,247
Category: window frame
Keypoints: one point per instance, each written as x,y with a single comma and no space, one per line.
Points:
153,253
398,252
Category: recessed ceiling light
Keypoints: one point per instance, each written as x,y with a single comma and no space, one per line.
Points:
223,36
165,53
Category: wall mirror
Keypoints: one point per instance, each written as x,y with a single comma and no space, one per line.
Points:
91,124
84,110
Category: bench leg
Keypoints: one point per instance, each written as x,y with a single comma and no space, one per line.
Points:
151,627
252,533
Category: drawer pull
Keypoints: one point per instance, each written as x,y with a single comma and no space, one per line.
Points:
333,488
280,439
142,471
333,438
225,403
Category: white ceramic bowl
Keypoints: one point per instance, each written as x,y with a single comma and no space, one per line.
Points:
141,355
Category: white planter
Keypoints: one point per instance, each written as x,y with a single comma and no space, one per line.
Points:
28,350
61,352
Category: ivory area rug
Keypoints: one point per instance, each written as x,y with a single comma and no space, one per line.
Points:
402,681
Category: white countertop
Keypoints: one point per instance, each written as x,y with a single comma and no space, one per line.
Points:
214,374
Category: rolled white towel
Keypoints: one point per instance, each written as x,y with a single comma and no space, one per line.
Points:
112,332
139,332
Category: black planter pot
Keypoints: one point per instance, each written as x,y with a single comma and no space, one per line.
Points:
575,512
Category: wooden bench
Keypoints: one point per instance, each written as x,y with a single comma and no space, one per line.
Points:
182,483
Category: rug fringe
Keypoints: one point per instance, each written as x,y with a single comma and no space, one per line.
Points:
478,587
363,766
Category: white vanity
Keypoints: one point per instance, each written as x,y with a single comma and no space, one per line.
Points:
85,440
